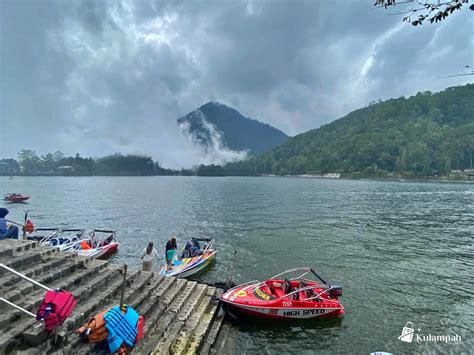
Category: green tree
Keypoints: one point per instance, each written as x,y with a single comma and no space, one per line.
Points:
29,161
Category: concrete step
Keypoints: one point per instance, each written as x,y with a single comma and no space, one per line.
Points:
155,310
195,298
176,315
17,323
71,272
43,265
192,320
226,341
206,327
84,292
104,298
167,318
22,262
49,278
10,247
31,301
152,308
142,299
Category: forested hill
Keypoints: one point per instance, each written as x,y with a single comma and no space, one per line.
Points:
423,135
217,122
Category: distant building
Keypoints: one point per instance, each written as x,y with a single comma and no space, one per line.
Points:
66,169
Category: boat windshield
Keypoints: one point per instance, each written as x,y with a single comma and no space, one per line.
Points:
304,273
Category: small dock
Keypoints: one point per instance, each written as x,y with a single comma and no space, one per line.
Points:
181,316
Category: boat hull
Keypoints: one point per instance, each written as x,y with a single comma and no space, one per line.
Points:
191,269
296,298
100,253
283,313
16,199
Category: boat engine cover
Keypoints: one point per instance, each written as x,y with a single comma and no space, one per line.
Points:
335,291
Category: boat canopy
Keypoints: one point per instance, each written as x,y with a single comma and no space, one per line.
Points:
303,272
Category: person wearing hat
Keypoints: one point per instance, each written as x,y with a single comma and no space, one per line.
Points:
7,231
171,247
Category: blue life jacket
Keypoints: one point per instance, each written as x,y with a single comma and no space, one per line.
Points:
121,327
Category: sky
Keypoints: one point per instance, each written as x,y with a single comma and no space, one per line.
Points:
99,77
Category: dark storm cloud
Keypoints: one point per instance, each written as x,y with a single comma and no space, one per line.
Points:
104,76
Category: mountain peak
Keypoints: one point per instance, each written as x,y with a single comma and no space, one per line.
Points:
213,103
215,121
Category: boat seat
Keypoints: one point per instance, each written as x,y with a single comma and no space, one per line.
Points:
279,292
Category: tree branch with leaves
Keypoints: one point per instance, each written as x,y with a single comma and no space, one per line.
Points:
433,11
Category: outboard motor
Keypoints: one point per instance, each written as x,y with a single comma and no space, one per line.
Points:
335,291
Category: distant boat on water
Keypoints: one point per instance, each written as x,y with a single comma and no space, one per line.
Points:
15,197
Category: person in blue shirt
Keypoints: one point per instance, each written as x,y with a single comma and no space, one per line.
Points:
7,231
187,251
196,247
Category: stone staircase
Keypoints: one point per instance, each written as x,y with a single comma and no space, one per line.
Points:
181,317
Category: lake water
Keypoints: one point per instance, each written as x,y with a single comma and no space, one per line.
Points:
403,251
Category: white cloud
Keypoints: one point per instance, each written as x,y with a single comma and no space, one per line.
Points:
99,77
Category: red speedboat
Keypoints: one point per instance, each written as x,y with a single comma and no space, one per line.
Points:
304,296
16,197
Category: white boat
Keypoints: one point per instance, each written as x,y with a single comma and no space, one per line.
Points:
94,247
62,238
185,267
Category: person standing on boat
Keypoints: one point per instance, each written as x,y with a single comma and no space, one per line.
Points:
171,247
148,254
7,231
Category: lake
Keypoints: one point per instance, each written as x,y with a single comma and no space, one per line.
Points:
403,251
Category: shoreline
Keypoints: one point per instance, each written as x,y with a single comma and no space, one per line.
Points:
445,179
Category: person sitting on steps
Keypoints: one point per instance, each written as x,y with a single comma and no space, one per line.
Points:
7,231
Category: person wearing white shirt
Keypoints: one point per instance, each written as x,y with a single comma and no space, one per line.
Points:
148,254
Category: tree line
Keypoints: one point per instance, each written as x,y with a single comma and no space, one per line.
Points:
51,164
423,135
30,163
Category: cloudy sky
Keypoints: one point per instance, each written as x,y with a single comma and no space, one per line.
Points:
99,77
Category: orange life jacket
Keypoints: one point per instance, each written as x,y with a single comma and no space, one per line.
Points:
29,227
94,330
85,245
